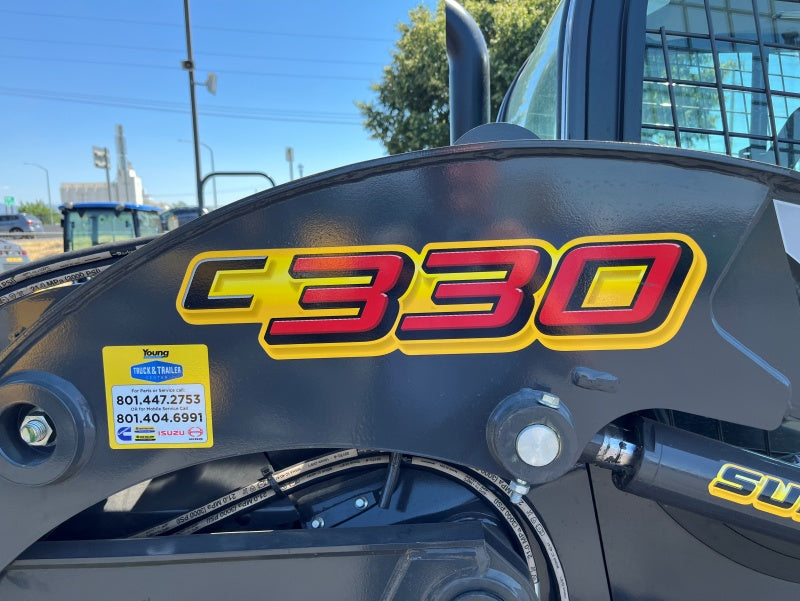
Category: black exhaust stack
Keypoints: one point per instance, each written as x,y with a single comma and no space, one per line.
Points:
469,71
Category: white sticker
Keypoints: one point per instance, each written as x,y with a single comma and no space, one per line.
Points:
160,414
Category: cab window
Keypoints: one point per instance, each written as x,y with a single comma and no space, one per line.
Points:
532,101
149,223
90,227
722,77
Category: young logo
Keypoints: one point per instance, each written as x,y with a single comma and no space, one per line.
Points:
603,292
151,354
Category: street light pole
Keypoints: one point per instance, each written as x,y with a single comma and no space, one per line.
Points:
108,178
188,65
49,199
213,168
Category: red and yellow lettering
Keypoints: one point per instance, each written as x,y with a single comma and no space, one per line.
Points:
375,302
621,292
605,292
509,297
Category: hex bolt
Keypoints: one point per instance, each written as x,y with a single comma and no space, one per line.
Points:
317,523
36,429
538,445
548,399
519,488
33,431
360,503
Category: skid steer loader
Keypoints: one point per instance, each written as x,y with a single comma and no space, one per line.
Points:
558,359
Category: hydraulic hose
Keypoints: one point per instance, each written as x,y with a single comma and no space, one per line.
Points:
306,472
63,269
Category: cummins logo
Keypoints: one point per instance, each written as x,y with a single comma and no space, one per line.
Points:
147,353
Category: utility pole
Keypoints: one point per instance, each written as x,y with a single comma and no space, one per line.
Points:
188,65
290,158
124,170
300,169
49,199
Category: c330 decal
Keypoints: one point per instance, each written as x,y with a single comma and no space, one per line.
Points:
594,293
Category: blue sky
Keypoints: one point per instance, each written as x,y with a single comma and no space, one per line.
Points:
289,74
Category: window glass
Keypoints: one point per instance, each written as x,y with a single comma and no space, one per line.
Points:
690,59
149,223
689,16
733,19
533,99
698,108
779,21
656,108
91,227
741,101
654,63
784,73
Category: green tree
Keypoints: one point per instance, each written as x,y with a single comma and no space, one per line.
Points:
411,109
39,209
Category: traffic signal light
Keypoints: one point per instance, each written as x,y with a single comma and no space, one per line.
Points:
100,156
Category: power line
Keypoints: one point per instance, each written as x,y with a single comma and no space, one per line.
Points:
180,51
177,68
176,107
208,27
181,105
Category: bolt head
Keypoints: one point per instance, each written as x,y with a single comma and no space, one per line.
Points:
36,429
360,503
548,399
519,488
317,523
538,445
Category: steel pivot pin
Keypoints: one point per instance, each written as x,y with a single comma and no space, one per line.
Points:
538,445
